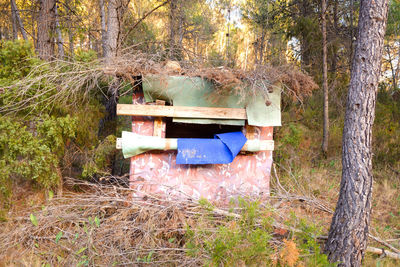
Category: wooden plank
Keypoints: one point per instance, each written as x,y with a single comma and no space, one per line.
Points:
262,145
159,124
249,146
181,112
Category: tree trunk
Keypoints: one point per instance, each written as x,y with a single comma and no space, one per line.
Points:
334,52
14,10
14,21
262,46
176,29
348,234
325,138
45,29
304,43
71,42
60,42
112,30
33,22
103,28
351,31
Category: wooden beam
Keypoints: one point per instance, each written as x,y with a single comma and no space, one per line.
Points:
249,146
250,132
159,124
181,112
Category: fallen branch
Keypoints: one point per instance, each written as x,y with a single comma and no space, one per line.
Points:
379,251
384,243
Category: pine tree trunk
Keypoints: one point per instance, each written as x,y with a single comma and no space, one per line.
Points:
17,18
45,29
173,9
71,42
103,28
348,234
262,46
351,30
325,138
304,43
60,42
14,21
112,30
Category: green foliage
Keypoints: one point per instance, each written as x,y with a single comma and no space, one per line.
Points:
293,137
289,139
58,236
309,245
393,18
82,55
33,219
258,12
242,240
386,139
34,152
16,60
100,158
35,139
147,258
54,131
247,238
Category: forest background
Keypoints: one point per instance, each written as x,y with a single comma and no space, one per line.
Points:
57,122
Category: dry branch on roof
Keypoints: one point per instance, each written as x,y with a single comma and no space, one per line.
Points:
68,83
244,83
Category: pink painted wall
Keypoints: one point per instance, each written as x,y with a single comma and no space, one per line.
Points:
157,172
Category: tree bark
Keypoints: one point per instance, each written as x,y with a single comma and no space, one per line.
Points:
351,31
348,234
21,27
45,29
173,9
60,42
304,42
325,138
14,21
71,43
262,46
103,28
112,30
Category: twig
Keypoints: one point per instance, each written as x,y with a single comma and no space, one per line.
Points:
142,18
384,243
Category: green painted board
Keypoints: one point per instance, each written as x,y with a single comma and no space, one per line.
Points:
196,92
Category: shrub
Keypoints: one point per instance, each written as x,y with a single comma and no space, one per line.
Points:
16,60
100,158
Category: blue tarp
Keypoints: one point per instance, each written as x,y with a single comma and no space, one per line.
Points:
220,150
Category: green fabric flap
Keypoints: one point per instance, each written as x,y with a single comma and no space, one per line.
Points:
259,114
196,92
135,144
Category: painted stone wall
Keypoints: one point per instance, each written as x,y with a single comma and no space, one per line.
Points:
157,172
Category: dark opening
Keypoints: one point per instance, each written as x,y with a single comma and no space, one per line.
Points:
189,130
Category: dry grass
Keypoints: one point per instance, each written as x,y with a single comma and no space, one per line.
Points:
103,225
